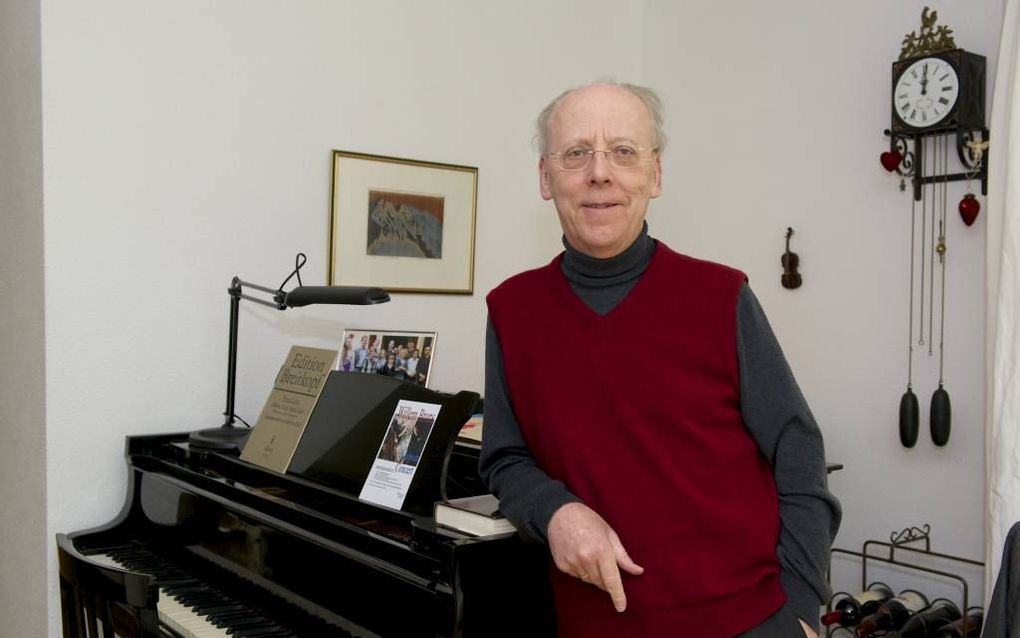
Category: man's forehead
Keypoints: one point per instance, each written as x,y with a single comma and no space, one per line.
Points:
612,109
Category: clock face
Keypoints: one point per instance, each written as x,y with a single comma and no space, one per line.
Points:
926,92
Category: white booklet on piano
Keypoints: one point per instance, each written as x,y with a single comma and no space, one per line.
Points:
397,458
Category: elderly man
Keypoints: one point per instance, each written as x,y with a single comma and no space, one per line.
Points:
688,484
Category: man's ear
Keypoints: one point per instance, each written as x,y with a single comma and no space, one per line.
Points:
544,185
657,187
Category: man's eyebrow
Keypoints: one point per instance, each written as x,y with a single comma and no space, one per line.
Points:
613,141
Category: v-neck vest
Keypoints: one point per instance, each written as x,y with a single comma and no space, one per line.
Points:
638,413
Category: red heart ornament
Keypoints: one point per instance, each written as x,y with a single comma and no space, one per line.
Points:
890,160
969,208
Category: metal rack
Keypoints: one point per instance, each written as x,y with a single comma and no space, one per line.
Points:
898,542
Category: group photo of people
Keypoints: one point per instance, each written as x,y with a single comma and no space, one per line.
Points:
402,355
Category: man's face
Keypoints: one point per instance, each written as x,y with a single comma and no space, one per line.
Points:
601,207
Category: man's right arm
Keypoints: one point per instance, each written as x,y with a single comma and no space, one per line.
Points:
582,544
527,496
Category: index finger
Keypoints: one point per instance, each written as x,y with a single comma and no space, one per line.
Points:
612,582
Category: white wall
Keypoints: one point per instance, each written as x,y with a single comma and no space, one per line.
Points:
23,547
187,142
777,113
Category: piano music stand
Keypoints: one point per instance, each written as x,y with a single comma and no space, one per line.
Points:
229,437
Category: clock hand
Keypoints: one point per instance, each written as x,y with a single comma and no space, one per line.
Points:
924,81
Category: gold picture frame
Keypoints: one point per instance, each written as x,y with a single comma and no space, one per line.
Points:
402,225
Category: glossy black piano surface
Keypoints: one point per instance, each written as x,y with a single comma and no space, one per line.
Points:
284,555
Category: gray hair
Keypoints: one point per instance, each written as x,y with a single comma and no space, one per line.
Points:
647,96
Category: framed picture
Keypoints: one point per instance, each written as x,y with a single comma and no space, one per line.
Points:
394,353
402,225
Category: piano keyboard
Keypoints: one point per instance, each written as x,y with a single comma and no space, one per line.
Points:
191,608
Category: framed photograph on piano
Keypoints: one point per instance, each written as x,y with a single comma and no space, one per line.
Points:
402,225
399,354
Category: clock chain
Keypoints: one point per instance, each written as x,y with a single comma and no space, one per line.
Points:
922,141
910,297
931,241
940,417
909,411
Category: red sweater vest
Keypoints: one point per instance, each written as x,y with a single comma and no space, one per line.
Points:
638,413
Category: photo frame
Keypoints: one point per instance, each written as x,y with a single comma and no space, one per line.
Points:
402,225
401,354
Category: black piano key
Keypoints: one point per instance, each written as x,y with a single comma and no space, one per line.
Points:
220,609
233,615
228,612
247,622
259,633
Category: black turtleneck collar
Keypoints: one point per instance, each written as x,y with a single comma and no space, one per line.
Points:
592,272
603,283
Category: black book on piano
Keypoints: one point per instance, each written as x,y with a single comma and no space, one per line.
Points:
205,534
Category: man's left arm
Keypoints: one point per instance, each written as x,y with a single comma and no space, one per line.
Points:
779,420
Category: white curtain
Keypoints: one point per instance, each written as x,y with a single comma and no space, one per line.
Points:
1002,223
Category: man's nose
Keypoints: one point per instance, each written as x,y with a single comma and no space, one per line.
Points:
599,169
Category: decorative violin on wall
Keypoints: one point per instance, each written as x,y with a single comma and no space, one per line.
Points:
791,278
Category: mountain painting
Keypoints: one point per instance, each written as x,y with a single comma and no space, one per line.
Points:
405,225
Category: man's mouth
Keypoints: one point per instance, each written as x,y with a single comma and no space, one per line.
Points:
599,205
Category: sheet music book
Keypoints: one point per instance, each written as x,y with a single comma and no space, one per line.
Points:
476,515
285,415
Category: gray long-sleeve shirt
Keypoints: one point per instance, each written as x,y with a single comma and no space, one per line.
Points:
773,408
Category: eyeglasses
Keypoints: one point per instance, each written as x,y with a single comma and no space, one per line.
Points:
621,156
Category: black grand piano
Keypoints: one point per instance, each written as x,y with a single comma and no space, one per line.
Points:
210,545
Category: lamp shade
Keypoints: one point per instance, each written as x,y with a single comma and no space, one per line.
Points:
347,295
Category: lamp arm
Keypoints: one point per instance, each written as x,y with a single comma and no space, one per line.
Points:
227,436
279,296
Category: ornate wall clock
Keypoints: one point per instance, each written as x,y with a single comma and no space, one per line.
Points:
936,88
937,98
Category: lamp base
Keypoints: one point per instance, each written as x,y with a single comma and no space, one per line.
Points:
224,438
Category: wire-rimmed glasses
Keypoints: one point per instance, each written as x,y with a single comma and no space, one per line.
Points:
620,156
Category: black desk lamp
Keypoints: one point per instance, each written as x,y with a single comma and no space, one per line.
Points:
228,436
